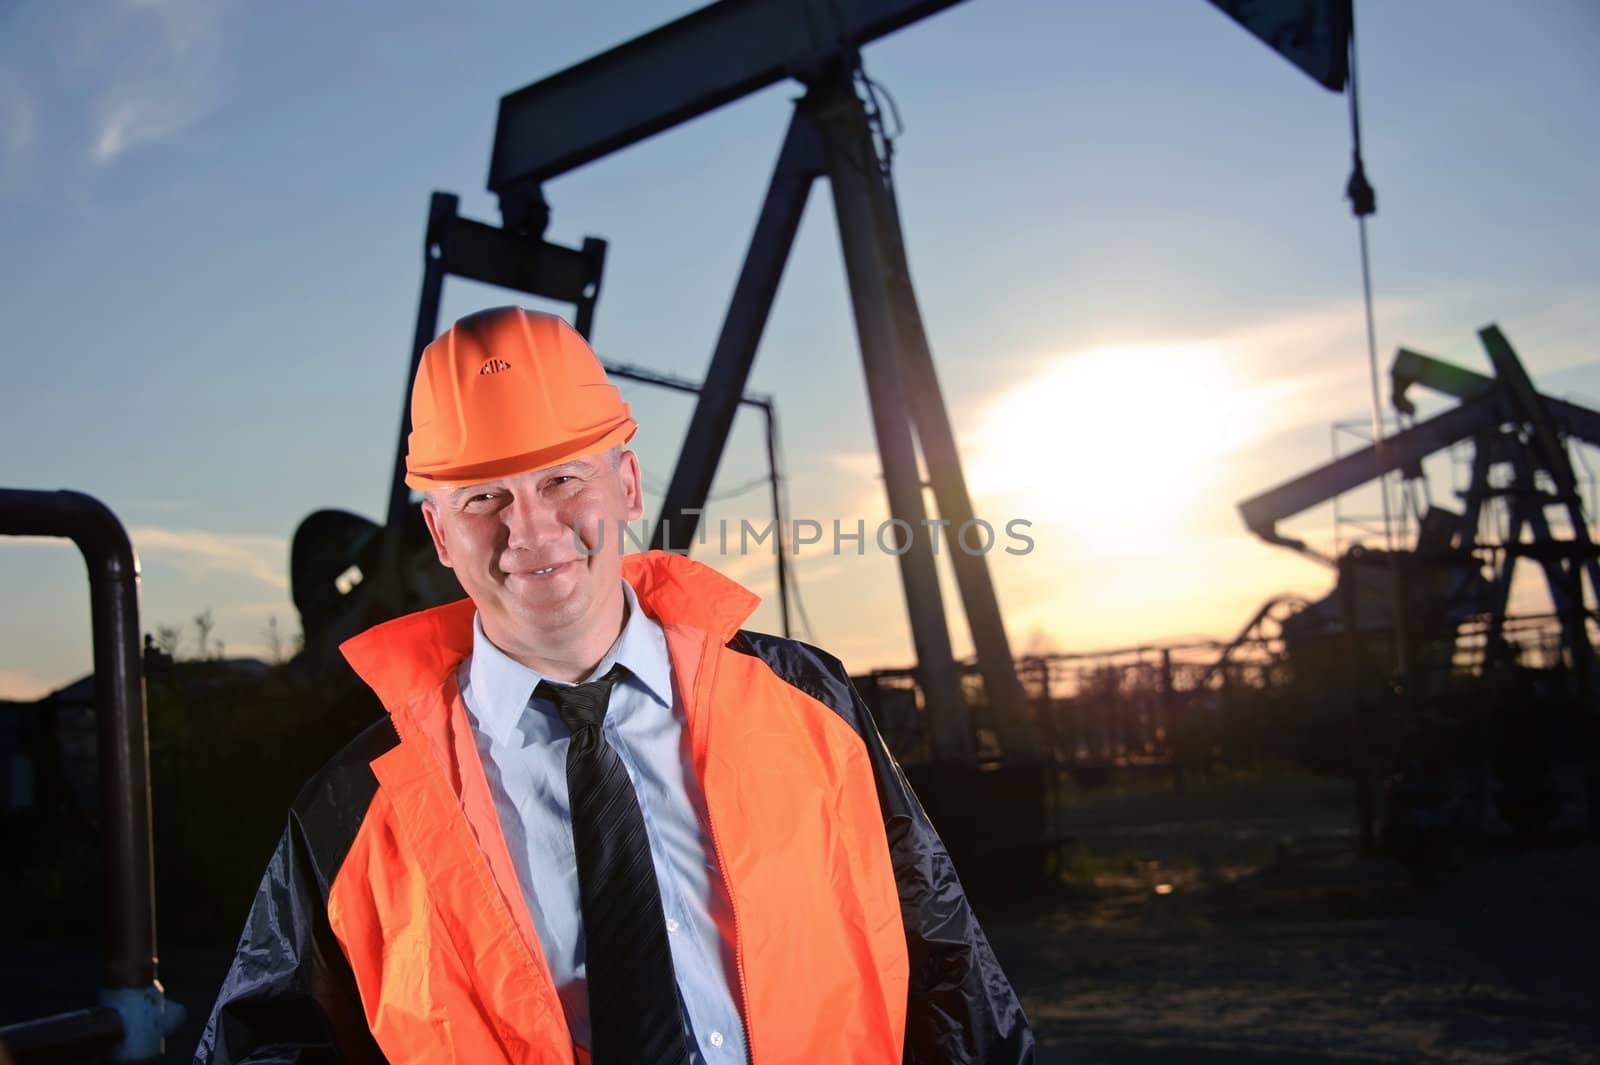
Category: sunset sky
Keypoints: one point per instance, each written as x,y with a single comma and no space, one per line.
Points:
1126,225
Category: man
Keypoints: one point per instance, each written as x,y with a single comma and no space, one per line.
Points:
602,821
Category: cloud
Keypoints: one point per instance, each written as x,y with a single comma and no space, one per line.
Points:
1314,362
1319,356
161,63
197,553
128,122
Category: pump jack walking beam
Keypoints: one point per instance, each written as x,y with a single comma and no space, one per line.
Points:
692,65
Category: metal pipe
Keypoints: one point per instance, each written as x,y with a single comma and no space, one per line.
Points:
133,1007
77,1036
124,746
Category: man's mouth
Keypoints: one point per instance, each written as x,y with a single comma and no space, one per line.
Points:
543,571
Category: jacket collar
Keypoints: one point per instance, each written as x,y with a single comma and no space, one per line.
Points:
412,655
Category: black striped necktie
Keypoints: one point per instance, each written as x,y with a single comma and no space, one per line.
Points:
634,1016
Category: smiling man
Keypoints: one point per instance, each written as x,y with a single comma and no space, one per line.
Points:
603,822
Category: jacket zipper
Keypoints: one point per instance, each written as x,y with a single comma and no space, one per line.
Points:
738,939
733,907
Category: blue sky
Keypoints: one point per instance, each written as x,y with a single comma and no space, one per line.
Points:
1125,222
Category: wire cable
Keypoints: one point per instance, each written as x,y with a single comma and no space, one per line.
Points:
1363,202
883,137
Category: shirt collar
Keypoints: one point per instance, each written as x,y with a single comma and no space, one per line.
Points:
642,648
502,687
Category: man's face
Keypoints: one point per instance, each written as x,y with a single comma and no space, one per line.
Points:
511,543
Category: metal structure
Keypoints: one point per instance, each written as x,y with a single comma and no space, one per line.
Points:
1469,685
1519,448
133,1017
769,422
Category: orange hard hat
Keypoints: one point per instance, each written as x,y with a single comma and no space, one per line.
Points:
508,391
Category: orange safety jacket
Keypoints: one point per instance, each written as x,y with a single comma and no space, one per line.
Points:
390,925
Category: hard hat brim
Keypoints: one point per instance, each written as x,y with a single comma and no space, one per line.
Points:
544,458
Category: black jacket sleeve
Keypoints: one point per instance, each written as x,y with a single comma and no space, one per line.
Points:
961,1007
290,997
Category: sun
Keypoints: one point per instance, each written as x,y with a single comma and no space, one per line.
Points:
1113,447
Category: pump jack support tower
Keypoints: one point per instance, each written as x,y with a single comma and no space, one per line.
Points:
677,72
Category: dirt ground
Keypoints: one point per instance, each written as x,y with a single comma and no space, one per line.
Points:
1270,942
1235,923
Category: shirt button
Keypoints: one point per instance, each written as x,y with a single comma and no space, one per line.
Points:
672,926
716,1039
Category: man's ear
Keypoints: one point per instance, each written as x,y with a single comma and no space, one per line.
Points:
430,515
631,484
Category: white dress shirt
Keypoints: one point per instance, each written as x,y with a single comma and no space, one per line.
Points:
523,743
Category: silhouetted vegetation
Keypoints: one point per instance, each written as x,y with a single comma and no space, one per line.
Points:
231,743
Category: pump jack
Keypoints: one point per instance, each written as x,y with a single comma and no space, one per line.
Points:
686,68
1519,441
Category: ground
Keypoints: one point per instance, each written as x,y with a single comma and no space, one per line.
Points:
1275,943
1234,922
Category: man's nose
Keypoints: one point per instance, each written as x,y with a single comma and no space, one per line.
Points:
531,523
